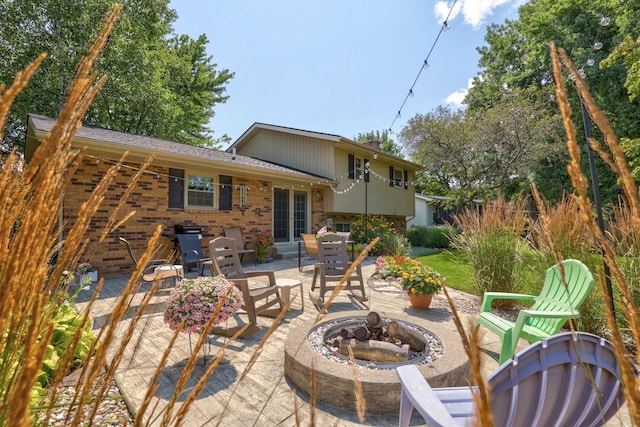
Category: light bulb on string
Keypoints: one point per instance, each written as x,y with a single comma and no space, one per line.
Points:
410,92
605,20
582,73
597,45
590,62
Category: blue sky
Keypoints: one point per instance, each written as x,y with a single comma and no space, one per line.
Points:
340,67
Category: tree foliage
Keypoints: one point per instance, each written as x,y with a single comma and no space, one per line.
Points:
476,155
387,144
159,84
516,57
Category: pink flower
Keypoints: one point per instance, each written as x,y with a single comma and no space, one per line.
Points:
195,301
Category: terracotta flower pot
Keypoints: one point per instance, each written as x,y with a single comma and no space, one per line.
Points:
420,302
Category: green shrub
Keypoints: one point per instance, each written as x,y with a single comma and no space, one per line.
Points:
396,245
429,237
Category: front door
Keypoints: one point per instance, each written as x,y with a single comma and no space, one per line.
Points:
290,214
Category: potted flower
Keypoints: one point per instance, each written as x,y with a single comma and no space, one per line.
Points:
419,281
263,243
195,301
85,273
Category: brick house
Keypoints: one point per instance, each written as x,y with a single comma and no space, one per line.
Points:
286,181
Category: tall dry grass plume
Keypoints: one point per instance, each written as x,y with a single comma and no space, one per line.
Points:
33,288
611,153
491,240
559,233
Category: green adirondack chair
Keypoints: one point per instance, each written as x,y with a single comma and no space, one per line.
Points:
551,309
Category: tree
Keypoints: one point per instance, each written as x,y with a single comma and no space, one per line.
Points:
158,84
477,155
516,57
386,143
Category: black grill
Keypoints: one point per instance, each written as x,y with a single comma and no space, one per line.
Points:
187,229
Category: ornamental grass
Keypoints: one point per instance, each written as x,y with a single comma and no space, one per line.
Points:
35,293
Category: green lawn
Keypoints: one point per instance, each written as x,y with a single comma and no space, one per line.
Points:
451,265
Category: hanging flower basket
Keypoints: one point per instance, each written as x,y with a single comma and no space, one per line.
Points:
195,301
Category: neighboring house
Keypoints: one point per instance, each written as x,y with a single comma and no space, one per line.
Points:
430,211
282,180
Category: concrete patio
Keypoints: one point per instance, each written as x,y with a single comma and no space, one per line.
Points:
264,397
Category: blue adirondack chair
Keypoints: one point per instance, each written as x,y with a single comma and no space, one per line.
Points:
551,309
569,379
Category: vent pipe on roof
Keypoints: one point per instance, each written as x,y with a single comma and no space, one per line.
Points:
233,153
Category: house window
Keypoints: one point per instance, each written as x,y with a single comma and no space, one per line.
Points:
343,227
356,166
398,178
398,175
200,191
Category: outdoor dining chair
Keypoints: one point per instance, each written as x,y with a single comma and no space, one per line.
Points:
569,379
310,248
242,246
191,252
156,269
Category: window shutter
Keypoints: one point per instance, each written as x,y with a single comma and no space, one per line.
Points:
391,177
366,170
406,180
226,193
352,166
176,188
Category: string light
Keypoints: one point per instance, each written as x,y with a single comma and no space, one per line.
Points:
597,45
425,64
333,184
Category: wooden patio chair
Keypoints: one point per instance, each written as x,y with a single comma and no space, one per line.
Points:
550,310
310,247
569,379
259,298
333,263
191,253
242,246
156,269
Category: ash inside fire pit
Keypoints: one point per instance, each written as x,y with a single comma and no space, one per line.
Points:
376,342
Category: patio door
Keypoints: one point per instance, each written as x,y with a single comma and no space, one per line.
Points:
290,212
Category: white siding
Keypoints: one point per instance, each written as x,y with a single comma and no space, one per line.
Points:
424,213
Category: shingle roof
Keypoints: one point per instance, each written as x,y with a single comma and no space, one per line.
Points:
129,140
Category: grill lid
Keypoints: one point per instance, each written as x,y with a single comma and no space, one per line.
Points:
187,229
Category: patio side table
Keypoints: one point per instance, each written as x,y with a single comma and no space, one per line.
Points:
285,285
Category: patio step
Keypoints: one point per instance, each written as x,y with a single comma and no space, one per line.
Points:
286,251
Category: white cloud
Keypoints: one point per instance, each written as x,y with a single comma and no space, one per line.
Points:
456,98
474,12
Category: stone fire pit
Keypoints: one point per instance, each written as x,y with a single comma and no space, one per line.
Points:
448,366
